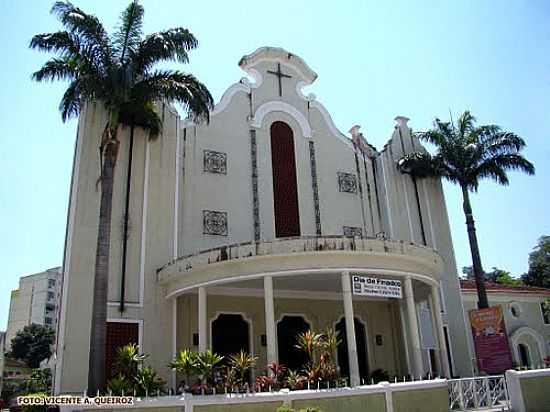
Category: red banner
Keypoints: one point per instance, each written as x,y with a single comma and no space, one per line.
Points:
490,340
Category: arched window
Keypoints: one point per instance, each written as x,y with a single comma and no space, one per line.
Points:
524,357
285,192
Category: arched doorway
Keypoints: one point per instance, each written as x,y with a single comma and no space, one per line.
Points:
361,341
524,358
230,334
285,191
288,328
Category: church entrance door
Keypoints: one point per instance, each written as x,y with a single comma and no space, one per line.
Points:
288,328
230,335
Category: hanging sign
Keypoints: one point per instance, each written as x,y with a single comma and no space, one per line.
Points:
383,288
490,340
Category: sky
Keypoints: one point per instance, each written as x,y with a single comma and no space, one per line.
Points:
375,60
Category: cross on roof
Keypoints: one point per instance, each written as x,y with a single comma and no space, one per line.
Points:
280,75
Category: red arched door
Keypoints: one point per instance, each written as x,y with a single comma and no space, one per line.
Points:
285,192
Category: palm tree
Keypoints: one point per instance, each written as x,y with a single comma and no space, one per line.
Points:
465,154
119,72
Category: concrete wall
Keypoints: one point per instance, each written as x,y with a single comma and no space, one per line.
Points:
426,396
528,390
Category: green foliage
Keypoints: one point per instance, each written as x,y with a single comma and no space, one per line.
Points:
131,374
127,360
147,382
36,408
539,265
207,363
186,363
242,362
496,275
119,69
466,153
32,344
321,350
120,385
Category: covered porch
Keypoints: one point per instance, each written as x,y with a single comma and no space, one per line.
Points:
258,302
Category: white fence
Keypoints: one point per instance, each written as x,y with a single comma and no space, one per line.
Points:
470,394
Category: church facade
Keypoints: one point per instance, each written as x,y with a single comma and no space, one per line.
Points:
257,226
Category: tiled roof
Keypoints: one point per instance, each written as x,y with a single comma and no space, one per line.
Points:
470,285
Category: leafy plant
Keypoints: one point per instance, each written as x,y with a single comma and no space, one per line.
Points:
242,362
295,380
147,382
120,385
127,360
186,363
309,342
207,363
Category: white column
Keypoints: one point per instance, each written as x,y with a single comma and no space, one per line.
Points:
270,320
350,330
203,327
174,338
434,295
403,312
418,369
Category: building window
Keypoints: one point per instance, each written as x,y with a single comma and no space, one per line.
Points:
48,321
515,310
347,182
215,162
51,296
51,283
545,308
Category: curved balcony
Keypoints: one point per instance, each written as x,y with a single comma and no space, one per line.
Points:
300,256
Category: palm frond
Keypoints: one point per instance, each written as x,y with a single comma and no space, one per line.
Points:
419,165
465,123
168,45
71,101
61,42
141,115
128,35
176,87
496,167
93,35
56,69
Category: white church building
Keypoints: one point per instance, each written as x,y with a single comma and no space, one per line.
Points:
250,229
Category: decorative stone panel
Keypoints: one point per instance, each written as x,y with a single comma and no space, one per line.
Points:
347,182
215,162
353,231
214,223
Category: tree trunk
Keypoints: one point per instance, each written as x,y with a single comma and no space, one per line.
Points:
474,249
96,372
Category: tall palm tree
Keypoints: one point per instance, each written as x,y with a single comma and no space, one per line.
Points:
119,72
464,155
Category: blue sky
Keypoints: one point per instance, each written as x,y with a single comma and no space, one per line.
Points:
375,60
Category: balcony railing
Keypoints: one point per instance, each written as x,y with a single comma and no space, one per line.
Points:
301,244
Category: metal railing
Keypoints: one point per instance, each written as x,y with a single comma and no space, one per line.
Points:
471,394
